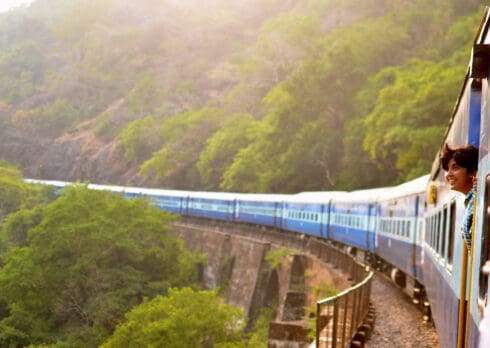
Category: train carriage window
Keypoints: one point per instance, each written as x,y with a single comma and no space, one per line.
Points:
435,226
485,252
438,233
452,228
429,230
432,231
444,232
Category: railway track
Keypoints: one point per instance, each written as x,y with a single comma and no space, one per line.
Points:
398,322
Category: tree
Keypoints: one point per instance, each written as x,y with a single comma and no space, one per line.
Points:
139,139
184,136
222,147
15,193
410,114
185,318
92,257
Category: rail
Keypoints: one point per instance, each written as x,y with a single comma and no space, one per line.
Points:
338,318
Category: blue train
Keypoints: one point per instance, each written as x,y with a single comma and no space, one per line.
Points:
410,231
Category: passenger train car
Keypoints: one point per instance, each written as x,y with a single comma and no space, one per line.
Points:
410,231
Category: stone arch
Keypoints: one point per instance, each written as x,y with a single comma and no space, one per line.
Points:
293,307
225,270
271,298
297,276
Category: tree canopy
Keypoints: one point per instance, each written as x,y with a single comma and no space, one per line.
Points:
185,318
76,266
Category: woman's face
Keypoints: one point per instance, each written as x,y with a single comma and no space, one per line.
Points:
458,177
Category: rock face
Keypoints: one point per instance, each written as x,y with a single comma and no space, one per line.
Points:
75,156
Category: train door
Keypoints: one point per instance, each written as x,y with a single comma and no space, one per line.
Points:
321,221
371,227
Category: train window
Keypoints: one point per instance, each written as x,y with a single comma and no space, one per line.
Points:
427,227
452,228
433,231
485,253
429,231
444,230
436,231
439,234
427,235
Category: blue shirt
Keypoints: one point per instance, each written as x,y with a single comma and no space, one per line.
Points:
468,218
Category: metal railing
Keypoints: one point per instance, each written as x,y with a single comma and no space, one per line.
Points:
339,317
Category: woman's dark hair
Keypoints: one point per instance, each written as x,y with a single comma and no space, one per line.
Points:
465,156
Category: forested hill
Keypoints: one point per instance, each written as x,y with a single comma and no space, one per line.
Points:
241,95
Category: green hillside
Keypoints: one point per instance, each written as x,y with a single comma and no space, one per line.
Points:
243,95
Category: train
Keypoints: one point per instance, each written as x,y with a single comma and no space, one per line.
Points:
409,231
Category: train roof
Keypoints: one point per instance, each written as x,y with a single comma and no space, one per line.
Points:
57,183
276,197
416,186
315,197
362,196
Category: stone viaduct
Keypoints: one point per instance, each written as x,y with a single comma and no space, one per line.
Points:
263,267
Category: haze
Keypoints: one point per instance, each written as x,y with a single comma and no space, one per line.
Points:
6,5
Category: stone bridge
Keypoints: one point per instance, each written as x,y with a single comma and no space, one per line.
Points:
261,267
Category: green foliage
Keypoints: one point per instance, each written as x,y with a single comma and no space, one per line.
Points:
139,138
49,120
22,68
408,121
185,318
92,257
103,124
145,94
320,291
276,256
184,136
222,147
16,226
259,337
247,172
15,193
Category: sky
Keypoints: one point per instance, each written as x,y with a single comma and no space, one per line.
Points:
6,5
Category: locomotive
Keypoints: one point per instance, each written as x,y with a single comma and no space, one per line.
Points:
410,231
